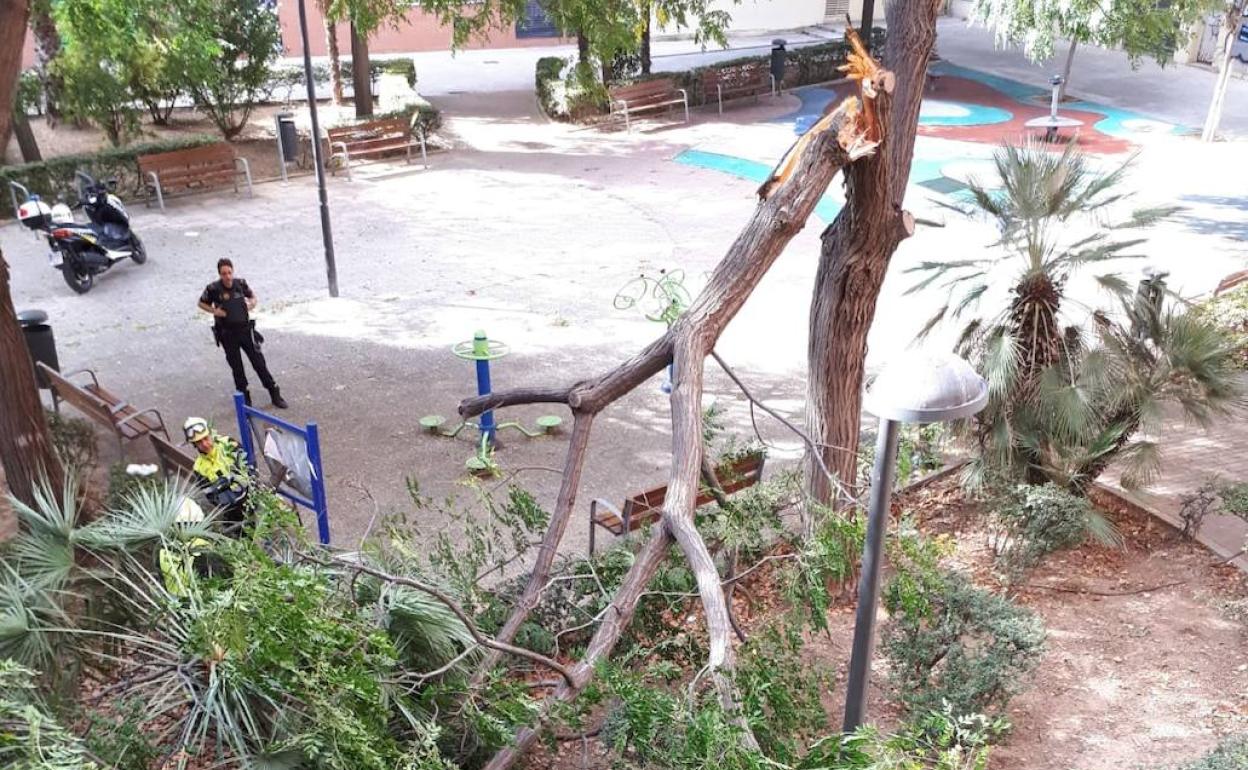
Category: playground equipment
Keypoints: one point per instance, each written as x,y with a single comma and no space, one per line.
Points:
481,350
661,300
1052,122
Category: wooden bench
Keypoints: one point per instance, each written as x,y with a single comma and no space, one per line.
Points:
376,138
173,461
194,169
658,95
125,421
645,508
737,82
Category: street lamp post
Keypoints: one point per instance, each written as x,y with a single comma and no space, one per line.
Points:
920,388
327,235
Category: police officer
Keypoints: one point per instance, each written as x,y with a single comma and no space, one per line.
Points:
221,471
230,300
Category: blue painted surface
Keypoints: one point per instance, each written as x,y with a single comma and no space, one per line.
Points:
815,101
826,209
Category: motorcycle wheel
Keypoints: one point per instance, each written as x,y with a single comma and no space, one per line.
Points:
138,252
79,279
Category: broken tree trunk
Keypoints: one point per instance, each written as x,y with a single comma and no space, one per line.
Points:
831,144
13,16
856,251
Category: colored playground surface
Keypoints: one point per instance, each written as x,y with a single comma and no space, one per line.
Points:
966,108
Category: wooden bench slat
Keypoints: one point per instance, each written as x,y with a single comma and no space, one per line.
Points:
122,418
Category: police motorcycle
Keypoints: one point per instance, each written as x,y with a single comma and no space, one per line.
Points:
83,251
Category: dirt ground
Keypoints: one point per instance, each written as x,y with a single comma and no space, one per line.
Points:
1143,665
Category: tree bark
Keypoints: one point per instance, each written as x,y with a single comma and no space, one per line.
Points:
47,46
13,17
360,80
335,56
582,48
25,445
856,251
25,138
645,38
1234,15
1070,63
831,144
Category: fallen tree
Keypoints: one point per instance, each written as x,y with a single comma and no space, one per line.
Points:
844,137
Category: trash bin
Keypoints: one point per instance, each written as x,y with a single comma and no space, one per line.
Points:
39,340
777,61
288,137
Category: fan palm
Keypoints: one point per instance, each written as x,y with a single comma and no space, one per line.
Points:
1052,213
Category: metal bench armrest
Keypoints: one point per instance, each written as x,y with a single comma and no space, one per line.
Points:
241,164
346,156
67,375
593,509
159,420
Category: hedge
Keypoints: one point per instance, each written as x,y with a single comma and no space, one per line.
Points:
54,177
291,76
807,65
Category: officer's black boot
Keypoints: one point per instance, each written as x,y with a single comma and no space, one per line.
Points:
276,394
247,397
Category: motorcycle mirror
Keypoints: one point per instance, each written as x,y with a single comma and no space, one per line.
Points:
112,183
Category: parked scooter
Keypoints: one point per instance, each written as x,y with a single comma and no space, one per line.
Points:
83,251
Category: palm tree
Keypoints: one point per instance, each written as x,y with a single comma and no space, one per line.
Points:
1053,213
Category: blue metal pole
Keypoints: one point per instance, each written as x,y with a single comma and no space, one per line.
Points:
244,429
481,348
319,501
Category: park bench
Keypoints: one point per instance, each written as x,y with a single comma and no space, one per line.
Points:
728,83
1231,281
645,508
173,461
658,95
124,420
376,138
194,169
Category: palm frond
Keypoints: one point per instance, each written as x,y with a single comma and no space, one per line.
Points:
148,515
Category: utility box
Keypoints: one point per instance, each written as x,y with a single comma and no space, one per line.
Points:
778,56
287,137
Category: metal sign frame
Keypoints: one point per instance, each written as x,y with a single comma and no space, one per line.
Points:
312,439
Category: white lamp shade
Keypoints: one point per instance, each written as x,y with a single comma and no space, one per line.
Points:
925,386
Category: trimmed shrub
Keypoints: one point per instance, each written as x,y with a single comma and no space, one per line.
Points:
73,440
549,86
1229,312
1033,521
54,178
961,648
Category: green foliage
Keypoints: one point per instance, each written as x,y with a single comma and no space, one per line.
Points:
53,178
549,75
228,51
937,740
98,39
1034,521
1229,312
31,738
73,439
1231,754
29,97
1142,28
123,486
117,739
826,562
780,692
951,644
919,452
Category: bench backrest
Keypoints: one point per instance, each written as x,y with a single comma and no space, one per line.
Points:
386,128
88,403
173,461
210,157
647,90
733,477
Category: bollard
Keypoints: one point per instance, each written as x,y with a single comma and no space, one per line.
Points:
481,352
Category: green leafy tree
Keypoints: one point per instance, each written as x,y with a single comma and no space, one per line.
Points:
1142,28
226,49
95,65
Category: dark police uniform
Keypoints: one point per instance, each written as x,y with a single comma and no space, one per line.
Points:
235,334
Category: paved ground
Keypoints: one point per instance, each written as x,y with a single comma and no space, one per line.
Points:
526,229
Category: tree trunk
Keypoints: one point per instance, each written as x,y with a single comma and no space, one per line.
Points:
1070,62
360,80
645,38
25,446
335,56
13,16
25,137
582,48
788,200
856,251
47,46
1234,15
